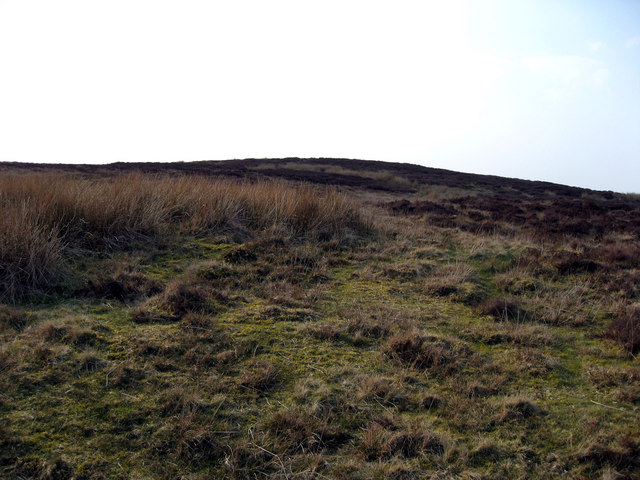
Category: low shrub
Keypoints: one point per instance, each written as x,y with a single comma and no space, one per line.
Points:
625,327
122,285
505,309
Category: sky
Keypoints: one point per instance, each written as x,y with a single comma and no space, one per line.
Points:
535,89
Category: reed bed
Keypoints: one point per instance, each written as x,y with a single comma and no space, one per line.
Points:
45,216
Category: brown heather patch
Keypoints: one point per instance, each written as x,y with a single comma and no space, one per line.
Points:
623,456
420,350
182,297
503,309
625,327
613,376
518,408
122,285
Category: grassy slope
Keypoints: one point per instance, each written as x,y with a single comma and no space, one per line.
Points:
298,361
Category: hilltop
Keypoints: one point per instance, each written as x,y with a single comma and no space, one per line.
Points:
315,318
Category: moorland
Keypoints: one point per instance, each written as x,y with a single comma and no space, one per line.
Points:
315,318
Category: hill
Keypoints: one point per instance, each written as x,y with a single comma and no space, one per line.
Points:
315,318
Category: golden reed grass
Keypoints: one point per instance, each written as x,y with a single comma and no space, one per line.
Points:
45,216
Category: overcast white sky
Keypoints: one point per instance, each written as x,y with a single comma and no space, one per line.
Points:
539,89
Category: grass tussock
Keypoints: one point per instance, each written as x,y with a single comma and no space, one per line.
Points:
45,216
503,309
13,318
422,351
384,438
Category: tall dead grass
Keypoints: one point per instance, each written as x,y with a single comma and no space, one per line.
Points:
45,215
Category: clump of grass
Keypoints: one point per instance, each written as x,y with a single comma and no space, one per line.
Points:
89,361
419,350
13,318
124,376
613,376
562,304
285,314
217,271
297,430
377,324
260,376
240,254
181,297
447,279
455,280
533,362
430,402
406,270
325,331
179,402
122,285
33,467
522,334
245,458
196,322
69,334
30,250
518,408
624,457
381,390
384,439
503,309
486,452
517,281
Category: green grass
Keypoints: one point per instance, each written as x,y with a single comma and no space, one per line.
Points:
287,367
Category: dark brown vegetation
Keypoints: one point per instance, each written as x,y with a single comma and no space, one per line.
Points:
386,321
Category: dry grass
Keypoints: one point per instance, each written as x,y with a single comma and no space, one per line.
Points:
45,216
384,438
30,250
455,280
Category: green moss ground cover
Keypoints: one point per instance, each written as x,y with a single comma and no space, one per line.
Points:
279,359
